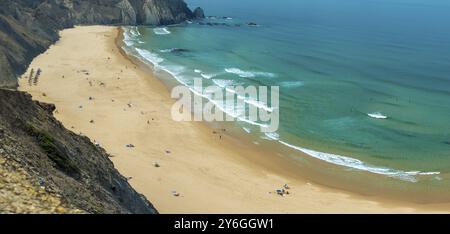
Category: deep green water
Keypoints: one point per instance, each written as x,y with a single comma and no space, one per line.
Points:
365,84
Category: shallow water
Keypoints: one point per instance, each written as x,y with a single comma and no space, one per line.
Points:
365,85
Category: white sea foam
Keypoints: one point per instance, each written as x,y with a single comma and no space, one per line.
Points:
360,165
429,173
247,130
172,50
212,90
272,136
291,84
208,76
223,83
166,50
161,31
128,42
128,37
230,90
377,115
239,72
175,70
197,71
249,74
149,56
258,104
134,31
237,112
231,110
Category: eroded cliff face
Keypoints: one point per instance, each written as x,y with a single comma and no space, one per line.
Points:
67,167
128,12
156,12
29,27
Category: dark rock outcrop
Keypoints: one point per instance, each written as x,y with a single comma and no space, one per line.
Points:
64,163
29,27
199,13
160,12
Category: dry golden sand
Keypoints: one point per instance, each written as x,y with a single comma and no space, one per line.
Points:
210,175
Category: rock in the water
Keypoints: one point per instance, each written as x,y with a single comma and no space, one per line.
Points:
178,50
199,13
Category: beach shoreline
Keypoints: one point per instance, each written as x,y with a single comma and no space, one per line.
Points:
181,167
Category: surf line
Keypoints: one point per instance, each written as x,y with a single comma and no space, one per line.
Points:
224,101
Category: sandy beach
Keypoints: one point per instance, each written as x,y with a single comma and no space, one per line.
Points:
103,95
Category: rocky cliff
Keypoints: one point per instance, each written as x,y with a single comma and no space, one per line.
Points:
29,27
62,164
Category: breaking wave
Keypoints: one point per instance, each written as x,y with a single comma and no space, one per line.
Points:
249,74
377,115
360,165
161,31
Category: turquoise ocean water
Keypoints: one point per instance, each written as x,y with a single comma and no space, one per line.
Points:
364,84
